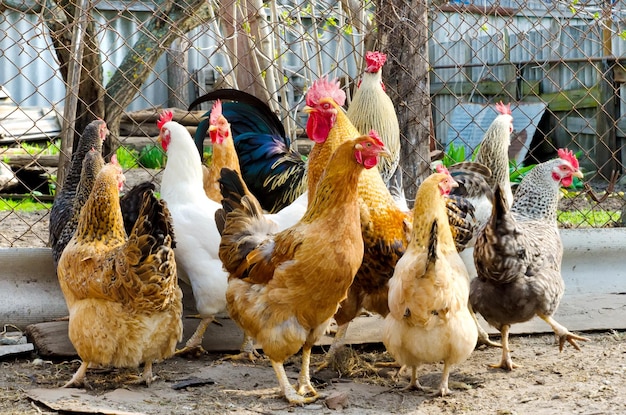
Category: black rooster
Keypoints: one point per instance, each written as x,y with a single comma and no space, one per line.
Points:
274,172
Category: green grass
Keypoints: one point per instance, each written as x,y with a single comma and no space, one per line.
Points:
151,157
24,205
587,218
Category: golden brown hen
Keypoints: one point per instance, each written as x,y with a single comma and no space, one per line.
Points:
122,293
284,288
385,228
429,320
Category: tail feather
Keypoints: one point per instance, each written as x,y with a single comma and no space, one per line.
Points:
132,202
241,222
272,170
432,244
461,220
472,178
260,108
500,207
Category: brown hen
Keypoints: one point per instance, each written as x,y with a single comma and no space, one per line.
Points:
122,293
284,288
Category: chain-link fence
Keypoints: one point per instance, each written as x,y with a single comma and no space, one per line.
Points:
559,65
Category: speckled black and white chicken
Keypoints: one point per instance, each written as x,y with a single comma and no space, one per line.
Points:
476,187
518,255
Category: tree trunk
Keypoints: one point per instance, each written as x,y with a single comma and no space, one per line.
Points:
178,74
142,57
91,91
403,36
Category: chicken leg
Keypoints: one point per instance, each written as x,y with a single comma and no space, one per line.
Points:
304,381
79,377
414,383
287,389
338,343
247,351
506,363
563,333
483,336
194,344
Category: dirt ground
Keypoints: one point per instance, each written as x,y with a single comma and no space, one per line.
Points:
592,381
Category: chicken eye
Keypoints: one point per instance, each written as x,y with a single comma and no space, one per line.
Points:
326,105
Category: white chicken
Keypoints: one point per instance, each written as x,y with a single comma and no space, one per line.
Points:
198,239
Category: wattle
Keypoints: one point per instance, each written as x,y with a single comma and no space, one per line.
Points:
318,128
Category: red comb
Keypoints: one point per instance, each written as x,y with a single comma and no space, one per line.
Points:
216,111
442,169
373,134
166,116
114,160
323,88
568,155
503,109
374,61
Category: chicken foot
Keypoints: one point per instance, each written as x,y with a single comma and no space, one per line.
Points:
304,381
414,383
338,343
193,346
562,333
505,363
247,351
288,391
79,377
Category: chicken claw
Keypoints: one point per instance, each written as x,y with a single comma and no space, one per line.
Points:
79,377
287,389
563,334
248,351
193,347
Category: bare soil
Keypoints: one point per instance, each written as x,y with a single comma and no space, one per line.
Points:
590,381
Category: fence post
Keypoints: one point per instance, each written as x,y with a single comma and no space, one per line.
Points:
605,124
72,86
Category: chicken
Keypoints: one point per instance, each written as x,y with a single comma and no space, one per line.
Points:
385,228
493,153
193,216
63,206
428,319
122,292
372,109
283,288
224,153
273,171
518,255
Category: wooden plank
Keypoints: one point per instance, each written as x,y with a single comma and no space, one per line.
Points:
15,349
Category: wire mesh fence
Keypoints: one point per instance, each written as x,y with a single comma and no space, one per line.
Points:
559,64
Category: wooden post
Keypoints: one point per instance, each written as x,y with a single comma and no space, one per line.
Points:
607,110
178,74
72,89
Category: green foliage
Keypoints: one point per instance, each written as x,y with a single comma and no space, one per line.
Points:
518,171
49,149
587,218
127,157
454,154
24,205
152,156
